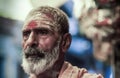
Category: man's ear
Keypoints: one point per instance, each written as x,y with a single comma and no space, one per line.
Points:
66,41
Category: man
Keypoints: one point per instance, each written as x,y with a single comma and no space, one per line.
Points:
46,38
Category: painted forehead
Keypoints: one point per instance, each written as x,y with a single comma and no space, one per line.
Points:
40,19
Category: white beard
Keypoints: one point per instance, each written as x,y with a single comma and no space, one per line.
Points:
43,64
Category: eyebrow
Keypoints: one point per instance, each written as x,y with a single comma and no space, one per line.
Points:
40,29
51,27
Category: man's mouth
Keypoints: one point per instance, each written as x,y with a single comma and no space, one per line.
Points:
34,55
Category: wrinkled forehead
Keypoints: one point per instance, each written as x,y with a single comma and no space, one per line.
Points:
40,19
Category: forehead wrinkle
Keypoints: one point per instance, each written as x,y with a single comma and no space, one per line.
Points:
48,19
28,23
52,25
43,18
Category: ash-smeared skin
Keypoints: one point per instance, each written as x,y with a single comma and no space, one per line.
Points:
45,19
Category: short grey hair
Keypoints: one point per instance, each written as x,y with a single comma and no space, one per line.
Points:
60,18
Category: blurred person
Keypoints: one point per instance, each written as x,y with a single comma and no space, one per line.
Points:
99,28
81,7
46,38
98,24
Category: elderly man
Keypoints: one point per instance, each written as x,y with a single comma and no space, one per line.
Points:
46,38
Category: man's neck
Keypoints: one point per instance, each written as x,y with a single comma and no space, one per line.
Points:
49,74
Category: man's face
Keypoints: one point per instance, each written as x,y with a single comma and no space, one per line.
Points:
40,44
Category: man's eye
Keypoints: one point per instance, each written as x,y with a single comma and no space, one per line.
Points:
43,32
26,34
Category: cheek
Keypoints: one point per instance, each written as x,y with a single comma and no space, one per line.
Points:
47,44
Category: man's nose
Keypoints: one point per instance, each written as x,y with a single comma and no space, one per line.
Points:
32,40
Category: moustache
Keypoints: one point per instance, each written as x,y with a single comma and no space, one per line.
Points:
34,52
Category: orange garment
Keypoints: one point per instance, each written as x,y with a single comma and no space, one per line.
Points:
69,71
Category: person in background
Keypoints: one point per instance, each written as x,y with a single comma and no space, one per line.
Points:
98,24
46,38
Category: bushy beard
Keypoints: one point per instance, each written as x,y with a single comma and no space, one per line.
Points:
39,64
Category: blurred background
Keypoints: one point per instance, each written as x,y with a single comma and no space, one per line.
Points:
95,29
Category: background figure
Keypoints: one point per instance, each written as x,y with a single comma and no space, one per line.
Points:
98,25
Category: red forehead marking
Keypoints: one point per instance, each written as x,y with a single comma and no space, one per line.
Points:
32,24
